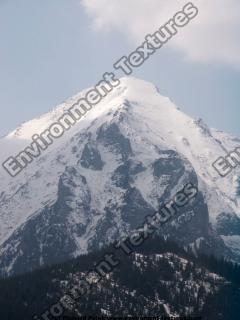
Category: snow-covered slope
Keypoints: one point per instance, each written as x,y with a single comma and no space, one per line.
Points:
128,154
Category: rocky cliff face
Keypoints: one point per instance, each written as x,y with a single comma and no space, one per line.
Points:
125,159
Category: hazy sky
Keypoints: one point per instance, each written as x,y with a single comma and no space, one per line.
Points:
51,49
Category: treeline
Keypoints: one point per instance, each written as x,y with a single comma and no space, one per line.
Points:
23,296
227,269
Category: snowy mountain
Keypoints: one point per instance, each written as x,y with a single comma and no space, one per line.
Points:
129,154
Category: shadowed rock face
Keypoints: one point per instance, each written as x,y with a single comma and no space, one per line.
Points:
100,199
227,224
47,238
91,158
123,176
111,137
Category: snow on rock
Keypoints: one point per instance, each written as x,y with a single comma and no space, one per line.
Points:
111,160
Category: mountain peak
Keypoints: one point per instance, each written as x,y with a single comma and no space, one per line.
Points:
127,155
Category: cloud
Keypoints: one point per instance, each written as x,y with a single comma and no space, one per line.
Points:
214,35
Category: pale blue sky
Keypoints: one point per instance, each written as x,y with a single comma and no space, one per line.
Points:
49,51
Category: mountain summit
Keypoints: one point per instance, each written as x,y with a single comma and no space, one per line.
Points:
129,154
